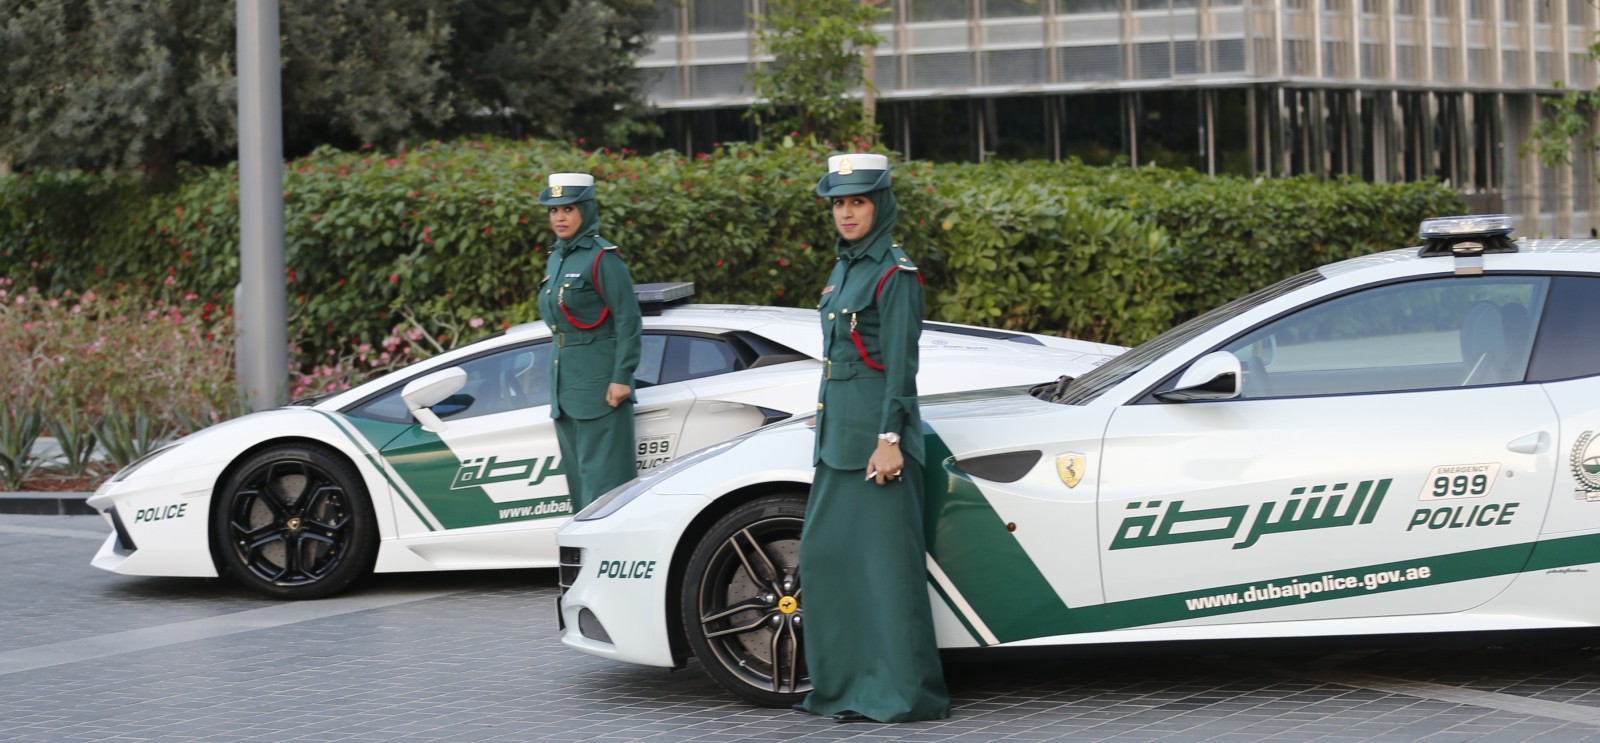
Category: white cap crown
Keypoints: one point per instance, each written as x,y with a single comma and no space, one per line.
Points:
571,179
847,164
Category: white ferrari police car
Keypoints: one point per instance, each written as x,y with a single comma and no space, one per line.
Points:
452,463
1404,442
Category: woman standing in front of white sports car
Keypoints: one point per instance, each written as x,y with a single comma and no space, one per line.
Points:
869,640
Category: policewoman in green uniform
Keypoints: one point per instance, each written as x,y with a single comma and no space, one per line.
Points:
587,299
869,640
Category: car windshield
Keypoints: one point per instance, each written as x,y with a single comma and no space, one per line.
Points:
1092,384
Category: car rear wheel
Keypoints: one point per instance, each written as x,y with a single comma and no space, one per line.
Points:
741,602
295,522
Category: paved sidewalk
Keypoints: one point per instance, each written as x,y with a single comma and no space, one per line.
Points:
91,656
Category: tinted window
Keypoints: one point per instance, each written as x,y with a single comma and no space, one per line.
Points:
651,350
693,357
499,382
1450,332
1566,347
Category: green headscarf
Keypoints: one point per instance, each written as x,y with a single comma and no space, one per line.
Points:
884,215
588,232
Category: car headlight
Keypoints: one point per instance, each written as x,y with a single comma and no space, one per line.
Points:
623,495
127,471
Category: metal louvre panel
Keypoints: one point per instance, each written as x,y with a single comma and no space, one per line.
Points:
714,16
1185,58
939,37
1090,29
1372,29
716,80
1477,64
886,72
1335,59
1444,64
1407,29
1265,58
1510,65
1407,62
1014,33
1227,55
1296,57
1154,60
1579,71
941,70
1013,67
1374,62
885,43
662,82
1083,63
1546,68
1086,6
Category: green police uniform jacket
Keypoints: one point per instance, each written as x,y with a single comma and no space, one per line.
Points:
587,299
869,383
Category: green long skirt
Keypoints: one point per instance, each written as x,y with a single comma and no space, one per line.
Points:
869,641
596,455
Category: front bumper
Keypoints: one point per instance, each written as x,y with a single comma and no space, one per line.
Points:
615,574
159,526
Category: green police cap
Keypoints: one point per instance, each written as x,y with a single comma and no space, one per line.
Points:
567,188
854,173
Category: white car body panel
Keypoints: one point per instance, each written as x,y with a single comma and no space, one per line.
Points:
1461,507
508,461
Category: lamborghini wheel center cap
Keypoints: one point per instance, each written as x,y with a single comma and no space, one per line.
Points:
788,605
293,524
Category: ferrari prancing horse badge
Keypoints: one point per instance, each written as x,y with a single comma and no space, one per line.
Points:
1070,467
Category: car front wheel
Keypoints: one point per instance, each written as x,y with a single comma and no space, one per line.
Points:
741,602
295,522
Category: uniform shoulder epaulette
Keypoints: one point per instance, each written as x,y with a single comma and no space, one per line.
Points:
901,261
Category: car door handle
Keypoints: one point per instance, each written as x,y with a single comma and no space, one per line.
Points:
723,407
651,414
1533,443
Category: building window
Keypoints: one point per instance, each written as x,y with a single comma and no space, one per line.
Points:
1082,63
718,16
1087,6
1012,8
938,10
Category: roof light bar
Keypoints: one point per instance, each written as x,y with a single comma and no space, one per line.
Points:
1477,225
663,292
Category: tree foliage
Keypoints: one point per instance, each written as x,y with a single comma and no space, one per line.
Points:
809,86
129,83
1567,122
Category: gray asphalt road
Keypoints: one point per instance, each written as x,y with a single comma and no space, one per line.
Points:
473,656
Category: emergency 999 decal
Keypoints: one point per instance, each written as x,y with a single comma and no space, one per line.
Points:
654,451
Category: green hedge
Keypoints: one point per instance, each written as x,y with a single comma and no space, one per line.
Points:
1111,254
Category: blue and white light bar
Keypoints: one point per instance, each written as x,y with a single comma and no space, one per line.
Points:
1476,225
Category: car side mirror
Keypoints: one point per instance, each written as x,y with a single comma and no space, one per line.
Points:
421,394
1214,376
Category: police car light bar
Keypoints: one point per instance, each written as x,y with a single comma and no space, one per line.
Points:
1477,225
653,297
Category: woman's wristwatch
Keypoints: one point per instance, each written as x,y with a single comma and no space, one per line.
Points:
891,437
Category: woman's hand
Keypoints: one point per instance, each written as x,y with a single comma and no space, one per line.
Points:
885,463
616,394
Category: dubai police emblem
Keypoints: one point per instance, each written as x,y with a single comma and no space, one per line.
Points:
845,168
1070,467
555,192
1585,464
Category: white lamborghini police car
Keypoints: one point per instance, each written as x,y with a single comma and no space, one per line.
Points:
1399,443
452,463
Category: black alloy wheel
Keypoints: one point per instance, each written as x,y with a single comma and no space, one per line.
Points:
741,602
295,522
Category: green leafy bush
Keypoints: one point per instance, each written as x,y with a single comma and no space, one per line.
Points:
1110,254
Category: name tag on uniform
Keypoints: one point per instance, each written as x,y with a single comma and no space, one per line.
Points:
827,288
574,276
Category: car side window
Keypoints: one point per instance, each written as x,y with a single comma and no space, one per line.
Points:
652,348
1566,347
1427,334
499,382
693,357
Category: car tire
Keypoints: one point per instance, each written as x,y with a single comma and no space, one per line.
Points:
741,602
295,522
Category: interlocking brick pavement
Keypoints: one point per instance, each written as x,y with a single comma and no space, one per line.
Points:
475,657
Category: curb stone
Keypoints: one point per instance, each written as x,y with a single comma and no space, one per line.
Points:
46,504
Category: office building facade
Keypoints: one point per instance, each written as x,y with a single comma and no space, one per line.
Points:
1385,90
